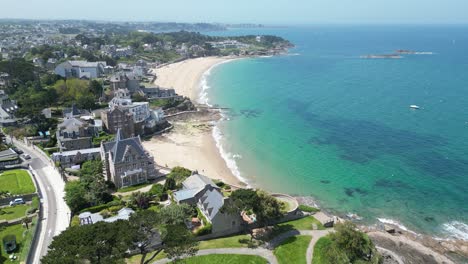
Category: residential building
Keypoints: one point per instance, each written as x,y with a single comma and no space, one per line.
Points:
199,190
74,134
80,69
74,111
87,218
68,159
123,80
8,109
126,162
4,79
117,118
9,157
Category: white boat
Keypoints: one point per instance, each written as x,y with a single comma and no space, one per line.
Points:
414,107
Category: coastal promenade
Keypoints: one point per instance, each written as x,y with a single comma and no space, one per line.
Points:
56,214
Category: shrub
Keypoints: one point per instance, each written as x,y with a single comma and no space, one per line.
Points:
105,213
219,183
115,209
34,205
158,191
95,209
205,230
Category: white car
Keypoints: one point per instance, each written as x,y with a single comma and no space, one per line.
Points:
17,201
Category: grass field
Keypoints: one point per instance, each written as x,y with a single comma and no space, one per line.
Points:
22,242
133,188
225,242
225,259
10,213
293,250
16,182
319,250
136,259
305,223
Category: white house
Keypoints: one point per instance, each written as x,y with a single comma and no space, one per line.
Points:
81,69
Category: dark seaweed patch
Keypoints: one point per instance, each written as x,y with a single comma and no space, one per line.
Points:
391,184
362,141
350,191
251,113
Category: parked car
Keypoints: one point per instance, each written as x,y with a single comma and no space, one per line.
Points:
26,156
17,201
17,150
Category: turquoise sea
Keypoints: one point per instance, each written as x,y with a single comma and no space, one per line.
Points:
323,122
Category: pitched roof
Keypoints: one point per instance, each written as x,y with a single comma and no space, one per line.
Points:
78,63
198,181
192,186
211,202
120,145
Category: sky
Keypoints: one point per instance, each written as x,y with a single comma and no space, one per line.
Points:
276,12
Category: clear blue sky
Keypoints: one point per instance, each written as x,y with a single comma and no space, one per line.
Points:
240,11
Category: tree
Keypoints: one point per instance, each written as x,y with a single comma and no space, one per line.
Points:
144,223
90,190
140,200
170,184
96,88
97,243
175,214
75,196
158,191
354,244
86,101
267,208
175,178
179,242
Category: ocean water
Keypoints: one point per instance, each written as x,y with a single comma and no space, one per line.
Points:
321,121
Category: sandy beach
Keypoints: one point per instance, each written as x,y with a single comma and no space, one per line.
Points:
190,144
185,76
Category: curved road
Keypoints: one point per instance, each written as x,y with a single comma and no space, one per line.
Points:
55,212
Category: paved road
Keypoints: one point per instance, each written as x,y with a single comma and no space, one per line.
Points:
55,214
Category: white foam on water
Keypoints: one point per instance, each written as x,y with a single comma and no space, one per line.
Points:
228,157
395,223
204,87
456,229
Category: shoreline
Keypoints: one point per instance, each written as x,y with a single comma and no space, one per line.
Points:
197,148
193,143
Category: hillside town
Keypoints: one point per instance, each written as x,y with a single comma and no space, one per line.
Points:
77,104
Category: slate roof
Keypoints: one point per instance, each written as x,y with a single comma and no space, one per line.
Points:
192,186
118,147
212,201
74,111
70,125
84,64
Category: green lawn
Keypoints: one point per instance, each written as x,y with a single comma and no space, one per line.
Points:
13,212
133,188
136,259
16,182
225,259
293,250
225,242
304,223
23,243
319,250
